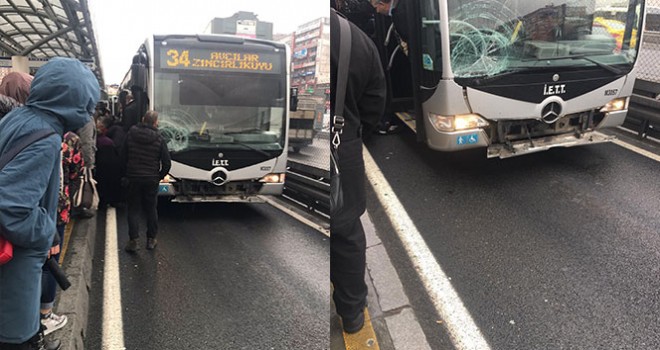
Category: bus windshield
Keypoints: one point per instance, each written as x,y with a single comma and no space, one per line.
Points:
221,100
493,37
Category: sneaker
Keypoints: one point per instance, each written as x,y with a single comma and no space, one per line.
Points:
132,246
353,325
151,243
53,322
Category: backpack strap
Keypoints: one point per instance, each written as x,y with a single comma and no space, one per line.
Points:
23,143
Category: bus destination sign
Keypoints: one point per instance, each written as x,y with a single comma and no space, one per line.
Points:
204,59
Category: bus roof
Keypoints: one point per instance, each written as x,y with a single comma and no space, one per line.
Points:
220,38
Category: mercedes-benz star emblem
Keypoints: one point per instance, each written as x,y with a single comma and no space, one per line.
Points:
551,112
555,77
219,178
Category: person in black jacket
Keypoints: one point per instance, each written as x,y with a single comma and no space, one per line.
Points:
364,103
146,160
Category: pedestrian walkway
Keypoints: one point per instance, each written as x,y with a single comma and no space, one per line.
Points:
390,322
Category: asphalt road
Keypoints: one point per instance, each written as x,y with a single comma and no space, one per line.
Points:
224,276
555,250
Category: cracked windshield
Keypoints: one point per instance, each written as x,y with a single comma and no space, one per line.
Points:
492,37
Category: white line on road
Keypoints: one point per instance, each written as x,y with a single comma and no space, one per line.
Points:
636,149
113,328
462,330
297,216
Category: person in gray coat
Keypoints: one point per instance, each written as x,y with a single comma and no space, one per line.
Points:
62,97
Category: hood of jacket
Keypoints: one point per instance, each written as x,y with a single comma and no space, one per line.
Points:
67,90
17,86
144,134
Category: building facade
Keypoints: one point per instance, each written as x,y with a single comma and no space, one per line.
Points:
245,24
310,61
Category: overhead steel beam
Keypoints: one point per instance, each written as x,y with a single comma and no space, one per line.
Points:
43,29
45,40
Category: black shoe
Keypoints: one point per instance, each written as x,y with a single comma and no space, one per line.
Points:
83,213
151,243
353,325
38,342
132,246
388,129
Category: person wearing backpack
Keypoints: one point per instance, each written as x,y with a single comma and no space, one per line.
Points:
62,98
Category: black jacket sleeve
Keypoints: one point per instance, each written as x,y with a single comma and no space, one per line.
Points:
165,161
372,102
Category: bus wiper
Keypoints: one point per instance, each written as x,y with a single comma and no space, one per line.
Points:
247,131
582,57
490,79
260,151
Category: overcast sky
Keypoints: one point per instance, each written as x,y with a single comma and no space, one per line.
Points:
122,25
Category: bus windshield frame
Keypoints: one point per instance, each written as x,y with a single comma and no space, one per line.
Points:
220,96
491,38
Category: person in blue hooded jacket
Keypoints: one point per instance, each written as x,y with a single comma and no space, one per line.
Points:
62,98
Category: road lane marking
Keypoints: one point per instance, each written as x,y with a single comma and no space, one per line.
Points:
462,330
297,216
113,328
637,150
364,339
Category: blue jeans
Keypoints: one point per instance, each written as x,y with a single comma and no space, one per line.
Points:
48,283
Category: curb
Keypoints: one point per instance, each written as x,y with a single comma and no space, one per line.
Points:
74,302
392,315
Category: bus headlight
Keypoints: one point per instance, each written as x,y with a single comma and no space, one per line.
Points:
457,122
168,179
273,178
617,104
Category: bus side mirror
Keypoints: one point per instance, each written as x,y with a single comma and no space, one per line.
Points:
139,76
293,103
139,71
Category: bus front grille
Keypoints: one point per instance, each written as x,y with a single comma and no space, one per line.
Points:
204,188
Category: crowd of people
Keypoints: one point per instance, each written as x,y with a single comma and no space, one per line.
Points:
38,186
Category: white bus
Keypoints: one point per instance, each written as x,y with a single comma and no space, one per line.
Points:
223,104
513,76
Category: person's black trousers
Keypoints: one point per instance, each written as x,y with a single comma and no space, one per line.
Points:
347,265
142,196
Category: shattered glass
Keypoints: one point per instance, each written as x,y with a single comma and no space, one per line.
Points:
481,33
491,37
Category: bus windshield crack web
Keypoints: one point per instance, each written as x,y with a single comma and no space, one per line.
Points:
175,127
481,35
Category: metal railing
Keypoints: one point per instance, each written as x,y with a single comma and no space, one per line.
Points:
644,109
308,175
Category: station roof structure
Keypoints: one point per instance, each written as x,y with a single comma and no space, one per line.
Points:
44,29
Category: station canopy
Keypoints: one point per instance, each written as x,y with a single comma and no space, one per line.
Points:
44,29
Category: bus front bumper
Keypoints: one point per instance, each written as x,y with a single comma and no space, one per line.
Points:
267,189
521,147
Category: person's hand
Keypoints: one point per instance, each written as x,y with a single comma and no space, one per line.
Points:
54,251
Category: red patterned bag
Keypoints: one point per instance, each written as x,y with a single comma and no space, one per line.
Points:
6,251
